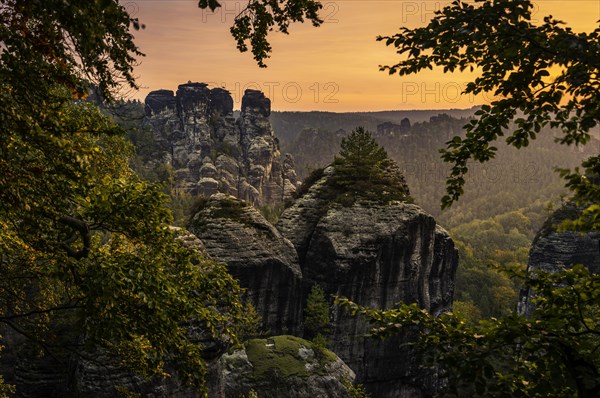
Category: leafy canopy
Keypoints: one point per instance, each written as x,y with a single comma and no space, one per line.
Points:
543,74
553,354
259,17
86,245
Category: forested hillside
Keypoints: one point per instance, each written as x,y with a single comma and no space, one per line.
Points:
505,202
289,125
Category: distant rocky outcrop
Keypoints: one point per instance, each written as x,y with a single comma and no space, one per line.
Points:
552,250
211,151
393,129
378,255
265,263
285,366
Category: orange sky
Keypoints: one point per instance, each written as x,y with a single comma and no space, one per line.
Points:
331,68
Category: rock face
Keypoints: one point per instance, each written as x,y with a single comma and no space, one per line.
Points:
210,151
551,250
393,129
285,366
377,255
107,381
264,262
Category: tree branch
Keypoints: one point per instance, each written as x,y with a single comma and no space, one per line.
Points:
84,231
40,311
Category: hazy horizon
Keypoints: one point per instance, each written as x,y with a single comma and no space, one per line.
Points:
331,68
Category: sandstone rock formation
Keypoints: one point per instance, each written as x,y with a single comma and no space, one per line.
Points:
285,366
265,263
210,151
393,129
377,255
371,246
551,250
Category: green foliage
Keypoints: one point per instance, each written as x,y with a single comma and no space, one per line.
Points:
467,310
586,188
86,245
6,390
230,207
100,47
231,150
125,392
363,171
487,249
272,212
260,17
319,341
107,258
552,354
353,391
360,150
316,315
548,76
180,204
251,327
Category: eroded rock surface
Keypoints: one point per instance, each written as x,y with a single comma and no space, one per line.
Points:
256,254
211,151
552,250
377,255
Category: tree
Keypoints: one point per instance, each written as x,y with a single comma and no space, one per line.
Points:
360,150
363,170
555,353
316,313
88,261
544,74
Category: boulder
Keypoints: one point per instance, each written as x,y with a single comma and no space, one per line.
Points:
285,366
552,250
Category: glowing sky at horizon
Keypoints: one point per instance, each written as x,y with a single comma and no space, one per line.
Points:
330,68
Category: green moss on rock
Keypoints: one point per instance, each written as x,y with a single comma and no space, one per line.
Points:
286,356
